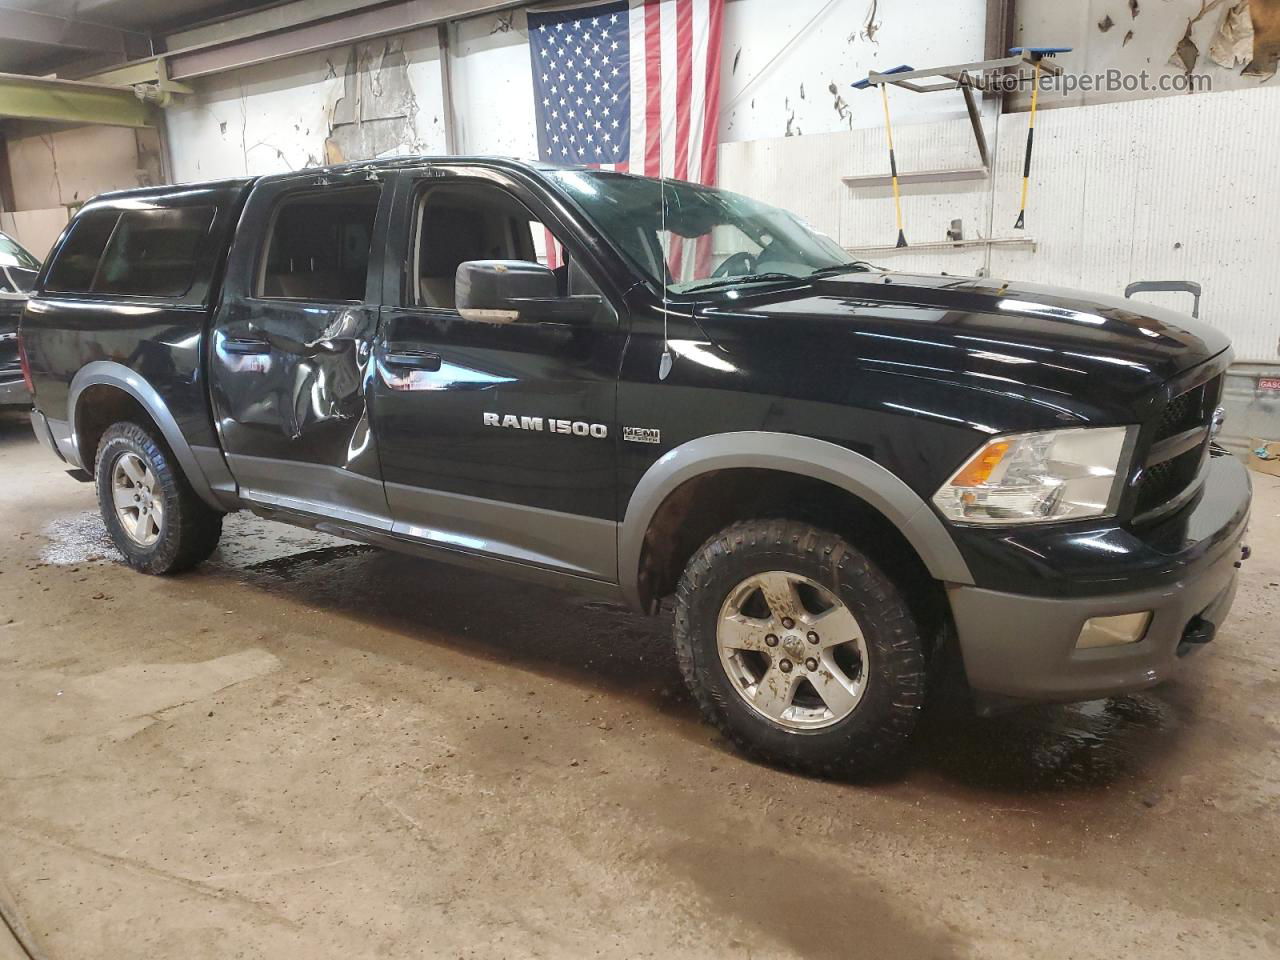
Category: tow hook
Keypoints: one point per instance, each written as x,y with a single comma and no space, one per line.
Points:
1246,552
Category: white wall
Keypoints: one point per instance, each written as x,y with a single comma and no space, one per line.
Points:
790,53
1133,43
1178,188
280,116
493,86
276,116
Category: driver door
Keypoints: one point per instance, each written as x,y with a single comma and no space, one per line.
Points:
495,438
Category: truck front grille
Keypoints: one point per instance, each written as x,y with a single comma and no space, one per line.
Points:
1177,451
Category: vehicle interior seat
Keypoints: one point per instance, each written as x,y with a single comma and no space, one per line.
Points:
464,222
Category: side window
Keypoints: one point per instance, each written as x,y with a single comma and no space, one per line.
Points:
318,246
77,261
152,253
457,222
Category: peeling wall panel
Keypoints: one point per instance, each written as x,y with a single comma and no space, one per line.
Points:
1144,36
355,102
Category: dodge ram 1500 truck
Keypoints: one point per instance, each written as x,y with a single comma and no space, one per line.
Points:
646,390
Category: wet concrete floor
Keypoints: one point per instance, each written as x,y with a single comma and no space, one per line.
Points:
312,748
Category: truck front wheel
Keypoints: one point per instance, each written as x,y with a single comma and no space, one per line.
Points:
798,648
153,516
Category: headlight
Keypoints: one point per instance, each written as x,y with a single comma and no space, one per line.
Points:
1037,477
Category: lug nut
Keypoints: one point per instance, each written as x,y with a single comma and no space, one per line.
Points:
771,640
813,637
785,666
811,664
788,622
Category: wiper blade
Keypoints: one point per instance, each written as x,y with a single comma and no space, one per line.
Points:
860,266
742,278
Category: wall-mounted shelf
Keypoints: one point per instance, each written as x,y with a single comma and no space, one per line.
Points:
918,176
948,245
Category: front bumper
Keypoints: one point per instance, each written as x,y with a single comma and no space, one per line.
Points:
1020,647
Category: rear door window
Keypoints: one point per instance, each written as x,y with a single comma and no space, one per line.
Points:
152,253
318,249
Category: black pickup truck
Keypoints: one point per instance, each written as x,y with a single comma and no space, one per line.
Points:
645,390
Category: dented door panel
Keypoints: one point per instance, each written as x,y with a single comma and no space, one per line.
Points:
290,376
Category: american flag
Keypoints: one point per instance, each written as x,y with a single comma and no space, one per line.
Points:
630,85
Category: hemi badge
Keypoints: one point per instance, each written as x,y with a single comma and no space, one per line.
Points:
642,434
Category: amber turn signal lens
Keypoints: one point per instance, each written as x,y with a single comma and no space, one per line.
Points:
978,470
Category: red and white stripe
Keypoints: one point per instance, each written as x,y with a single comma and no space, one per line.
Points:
675,98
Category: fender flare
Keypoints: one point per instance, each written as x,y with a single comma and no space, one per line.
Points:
787,453
110,373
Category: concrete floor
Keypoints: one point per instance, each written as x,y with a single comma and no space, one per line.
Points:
312,749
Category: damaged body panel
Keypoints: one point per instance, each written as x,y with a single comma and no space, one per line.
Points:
291,352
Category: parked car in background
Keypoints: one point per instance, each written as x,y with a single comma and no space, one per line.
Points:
18,269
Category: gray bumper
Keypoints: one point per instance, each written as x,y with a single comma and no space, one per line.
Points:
41,426
1024,648
14,394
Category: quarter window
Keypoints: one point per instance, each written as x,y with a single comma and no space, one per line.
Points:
134,253
319,245
152,253
77,261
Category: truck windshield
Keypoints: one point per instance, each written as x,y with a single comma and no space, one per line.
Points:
19,266
712,238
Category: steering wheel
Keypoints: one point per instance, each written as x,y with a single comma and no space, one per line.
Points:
735,264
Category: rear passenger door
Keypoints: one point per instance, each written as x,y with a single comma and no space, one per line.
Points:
291,347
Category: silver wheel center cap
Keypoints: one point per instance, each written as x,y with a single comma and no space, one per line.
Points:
794,646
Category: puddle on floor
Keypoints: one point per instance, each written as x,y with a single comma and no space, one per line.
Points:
248,543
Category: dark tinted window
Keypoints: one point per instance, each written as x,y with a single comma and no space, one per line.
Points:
77,261
21,279
319,246
152,252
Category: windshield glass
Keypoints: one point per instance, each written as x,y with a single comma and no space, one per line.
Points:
713,238
13,255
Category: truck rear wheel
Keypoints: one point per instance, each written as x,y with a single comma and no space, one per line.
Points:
798,648
154,517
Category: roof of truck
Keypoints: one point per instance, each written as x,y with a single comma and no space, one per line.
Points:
385,163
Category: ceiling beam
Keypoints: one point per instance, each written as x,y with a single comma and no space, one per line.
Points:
71,101
50,30
350,27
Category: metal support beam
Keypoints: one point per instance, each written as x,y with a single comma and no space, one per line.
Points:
352,27
47,29
152,70
446,89
71,101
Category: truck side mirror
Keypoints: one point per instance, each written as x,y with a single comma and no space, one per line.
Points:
502,291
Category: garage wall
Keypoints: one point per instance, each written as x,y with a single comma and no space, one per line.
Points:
787,66
780,61
366,100
53,171
1165,39
1174,188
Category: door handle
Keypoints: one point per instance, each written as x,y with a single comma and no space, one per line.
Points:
246,345
409,357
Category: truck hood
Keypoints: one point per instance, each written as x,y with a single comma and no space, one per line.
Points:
1103,351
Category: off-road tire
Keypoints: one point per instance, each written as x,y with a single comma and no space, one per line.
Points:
190,528
883,720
